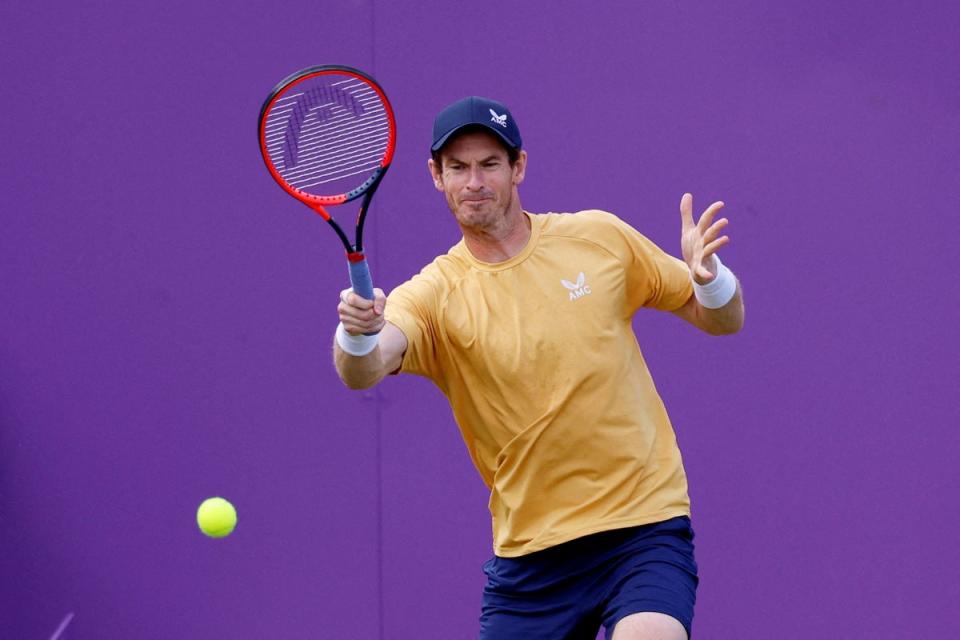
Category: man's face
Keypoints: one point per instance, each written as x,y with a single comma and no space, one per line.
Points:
477,179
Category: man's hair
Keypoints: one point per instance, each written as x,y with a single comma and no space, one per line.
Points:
512,154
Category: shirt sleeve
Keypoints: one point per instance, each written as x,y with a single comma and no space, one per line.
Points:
412,308
654,278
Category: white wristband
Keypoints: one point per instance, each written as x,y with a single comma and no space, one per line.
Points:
718,291
355,345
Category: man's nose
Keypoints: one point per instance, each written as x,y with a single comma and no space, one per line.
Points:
476,179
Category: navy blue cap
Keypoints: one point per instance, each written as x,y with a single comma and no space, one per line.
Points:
473,111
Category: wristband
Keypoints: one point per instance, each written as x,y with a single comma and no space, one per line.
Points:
718,291
355,345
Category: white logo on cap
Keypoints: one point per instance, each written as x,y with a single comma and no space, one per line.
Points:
500,120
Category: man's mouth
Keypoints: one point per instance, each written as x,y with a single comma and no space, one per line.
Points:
475,199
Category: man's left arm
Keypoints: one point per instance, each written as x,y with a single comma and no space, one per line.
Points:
718,322
717,304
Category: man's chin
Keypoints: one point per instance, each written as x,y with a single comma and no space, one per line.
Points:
474,215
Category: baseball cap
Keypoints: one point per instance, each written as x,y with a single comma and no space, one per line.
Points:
473,111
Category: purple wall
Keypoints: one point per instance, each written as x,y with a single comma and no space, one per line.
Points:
166,311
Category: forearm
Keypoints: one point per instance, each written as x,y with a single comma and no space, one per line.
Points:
715,307
718,303
362,364
723,320
359,372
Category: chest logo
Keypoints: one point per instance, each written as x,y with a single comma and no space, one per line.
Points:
577,289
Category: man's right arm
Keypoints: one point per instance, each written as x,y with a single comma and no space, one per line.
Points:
363,372
363,368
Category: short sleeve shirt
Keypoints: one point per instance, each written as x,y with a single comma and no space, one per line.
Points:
538,359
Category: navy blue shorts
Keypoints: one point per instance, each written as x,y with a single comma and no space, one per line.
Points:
570,590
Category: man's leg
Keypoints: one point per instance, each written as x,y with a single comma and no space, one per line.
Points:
649,626
656,584
546,595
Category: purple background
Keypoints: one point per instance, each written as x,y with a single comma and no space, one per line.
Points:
166,311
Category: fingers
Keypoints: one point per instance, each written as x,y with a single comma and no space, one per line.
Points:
701,240
706,220
686,213
712,247
703,275
360,315
686,210
349,299
713,231
711,238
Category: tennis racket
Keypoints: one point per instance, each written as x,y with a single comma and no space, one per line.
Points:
327,135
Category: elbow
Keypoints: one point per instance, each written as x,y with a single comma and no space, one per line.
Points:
355,385
354,373
724,330
725,326
360,382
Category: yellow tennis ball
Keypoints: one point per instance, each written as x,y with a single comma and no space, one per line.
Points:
216,517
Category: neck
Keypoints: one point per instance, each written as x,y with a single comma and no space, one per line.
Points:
501,242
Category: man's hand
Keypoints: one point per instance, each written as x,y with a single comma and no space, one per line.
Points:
359,315
699,240
709,309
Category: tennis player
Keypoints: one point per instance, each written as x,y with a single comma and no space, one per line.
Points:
525,325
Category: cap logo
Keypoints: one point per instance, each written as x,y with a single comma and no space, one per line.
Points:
500,120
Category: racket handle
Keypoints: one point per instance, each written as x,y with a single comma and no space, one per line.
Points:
360,278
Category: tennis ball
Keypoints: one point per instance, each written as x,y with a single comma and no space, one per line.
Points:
216,517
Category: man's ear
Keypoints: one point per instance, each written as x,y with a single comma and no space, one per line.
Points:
435,174
520,168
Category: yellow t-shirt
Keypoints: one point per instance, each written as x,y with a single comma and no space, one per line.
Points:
539,362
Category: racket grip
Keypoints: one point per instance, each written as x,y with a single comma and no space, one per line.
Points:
360,278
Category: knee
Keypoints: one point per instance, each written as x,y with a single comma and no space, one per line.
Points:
649,626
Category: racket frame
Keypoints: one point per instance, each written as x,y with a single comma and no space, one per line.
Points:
366,189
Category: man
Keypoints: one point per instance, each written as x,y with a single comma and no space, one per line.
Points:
525,325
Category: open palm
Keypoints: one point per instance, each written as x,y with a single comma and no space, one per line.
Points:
701,239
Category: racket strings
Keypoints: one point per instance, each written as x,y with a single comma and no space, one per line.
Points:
327,132
296,130
325,96
329,153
